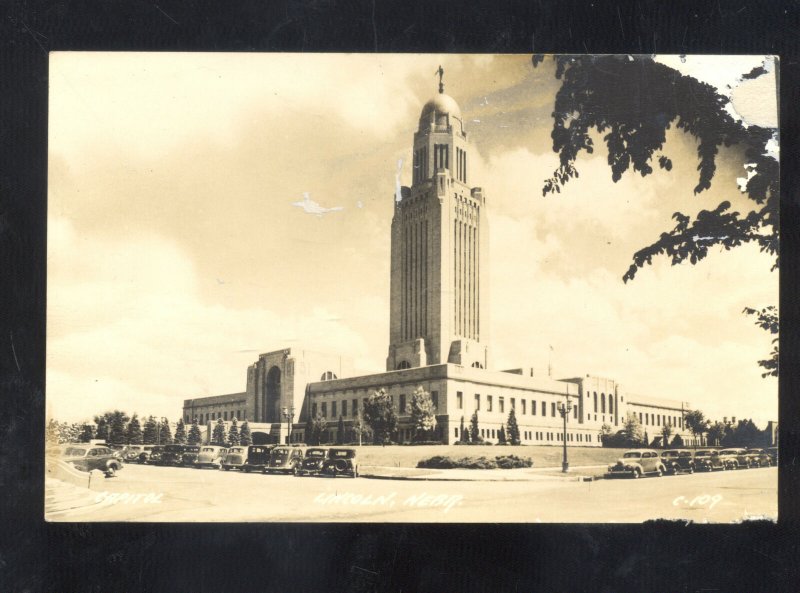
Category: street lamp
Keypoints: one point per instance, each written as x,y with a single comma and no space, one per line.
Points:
288,413
564,409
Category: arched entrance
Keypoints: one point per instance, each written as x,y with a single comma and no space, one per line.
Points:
272,396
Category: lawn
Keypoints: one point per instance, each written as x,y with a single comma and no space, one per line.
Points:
543,456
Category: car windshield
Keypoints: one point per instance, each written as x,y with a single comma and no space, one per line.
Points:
669,454
208,449
702,454
728,452
75,452
342,453
632,455
281,451
315,453
236,450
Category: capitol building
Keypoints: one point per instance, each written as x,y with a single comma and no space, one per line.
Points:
439,332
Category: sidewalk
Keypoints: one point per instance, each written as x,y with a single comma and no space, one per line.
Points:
576,474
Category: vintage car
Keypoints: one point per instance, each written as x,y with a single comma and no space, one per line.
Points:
708,460
90,457
257,458
171,455
736,458
153,456
312,461
678,460
340,462
284,459
210,456
759,458
189,455
235,458
773,454
637,463
132,452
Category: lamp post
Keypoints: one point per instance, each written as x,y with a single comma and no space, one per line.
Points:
288,413
564,409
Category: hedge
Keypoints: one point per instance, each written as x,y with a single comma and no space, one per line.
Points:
499,462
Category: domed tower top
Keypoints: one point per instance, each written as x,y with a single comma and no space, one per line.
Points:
441,112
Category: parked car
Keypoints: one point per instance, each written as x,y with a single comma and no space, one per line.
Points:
210,456
312,461
257,458
171,455
637,463
90,457
132,452
152,457
340,462
189,455
708,460
736,458
678,460
759,458
285,459
773,454
235,458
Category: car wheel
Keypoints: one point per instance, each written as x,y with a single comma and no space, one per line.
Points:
636,474
690,469
660,471
296,471
246,470
226,468
111,471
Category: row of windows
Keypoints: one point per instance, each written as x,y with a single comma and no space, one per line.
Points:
420,165
531,435
461,165
603,403
214,416
660,420
501,405
341,408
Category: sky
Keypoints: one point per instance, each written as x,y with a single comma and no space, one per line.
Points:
177,251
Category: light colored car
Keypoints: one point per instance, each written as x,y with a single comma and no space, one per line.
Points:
90,457
210,456
132,452
708,460
637,463
736,458
235,458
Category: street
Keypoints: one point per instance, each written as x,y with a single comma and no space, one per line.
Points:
150,493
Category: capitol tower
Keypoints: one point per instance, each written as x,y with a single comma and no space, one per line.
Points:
439,254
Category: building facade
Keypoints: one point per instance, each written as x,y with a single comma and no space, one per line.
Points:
438,337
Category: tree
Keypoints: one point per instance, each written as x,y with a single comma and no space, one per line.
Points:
316,428
695,421
716,433
134,431
474,431
423,415
218,436
180,432
767,319
463,436
116,426
340,432
87,433
501,436
513,428
149,432
234,438
194,436
605,432
165,433
52,432
666,433
360,428
379,414
632,431
634,101
744,434
101,434
244,434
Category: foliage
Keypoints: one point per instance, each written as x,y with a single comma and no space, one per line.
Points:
61,432
501,436
666,433
234,438
695,421
316,429
501,461
463,437
116,426
379,414
134,431
767,319
194,436
632,431
165,433
474,429
87,433
677,442
340,431
513,428
245,437
180,432
360,428
634,101
745,434
149,433
423,415
716,433
218,435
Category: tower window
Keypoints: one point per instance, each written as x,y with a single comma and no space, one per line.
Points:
404,364
327,376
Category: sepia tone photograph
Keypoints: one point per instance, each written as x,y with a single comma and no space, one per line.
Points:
412,288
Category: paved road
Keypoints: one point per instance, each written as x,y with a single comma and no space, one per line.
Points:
185,494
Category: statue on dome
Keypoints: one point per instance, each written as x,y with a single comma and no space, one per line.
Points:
440,72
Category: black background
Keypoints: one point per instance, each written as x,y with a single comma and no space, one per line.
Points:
661,556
